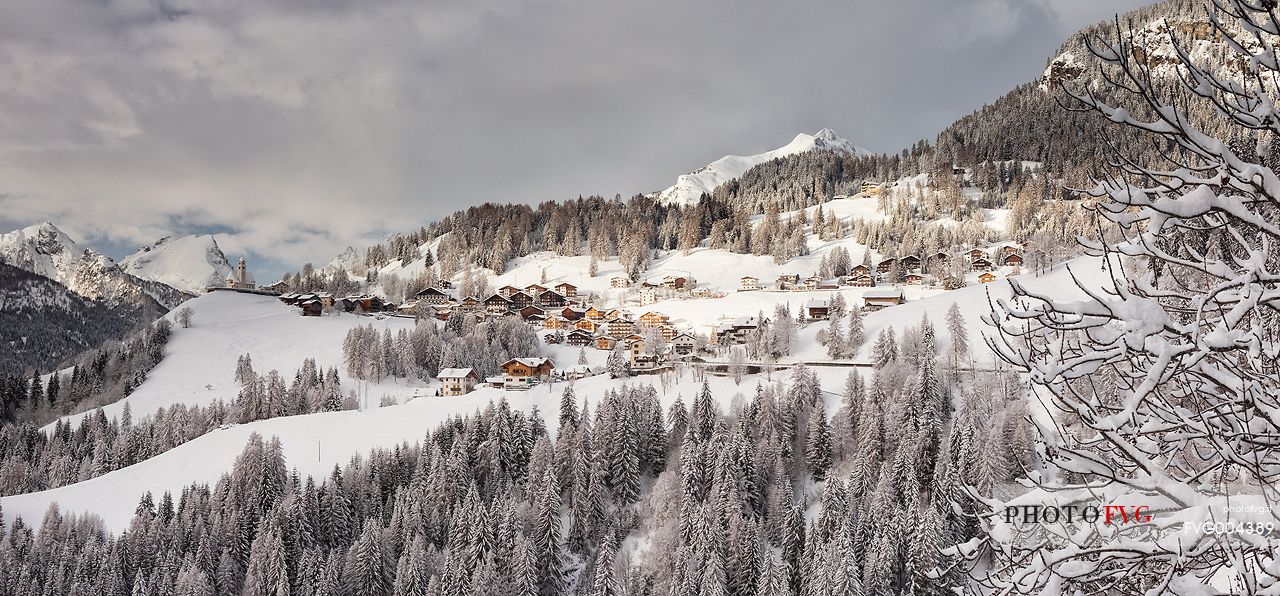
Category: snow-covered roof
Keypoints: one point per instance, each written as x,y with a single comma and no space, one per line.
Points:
891,293
530,362
455,373
817,303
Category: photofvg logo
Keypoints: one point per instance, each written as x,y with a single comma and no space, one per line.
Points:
1089,514
1255,519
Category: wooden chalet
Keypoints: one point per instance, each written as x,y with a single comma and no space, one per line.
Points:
885,265
550,299
311,307
817,310
910,263
432,296
878,299
676,282
532,313
1013,260
587,325
862,281
980,264
507,291
977,253
523,373
913,279
859,270
986,277
497,304
520,300
593,314
787,281
572,314
652,319
566,289
471,304
620,327
534,289
735,331
578,337
556,323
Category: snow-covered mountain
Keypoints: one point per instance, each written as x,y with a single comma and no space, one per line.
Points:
47,251
689,187
186,263
42,323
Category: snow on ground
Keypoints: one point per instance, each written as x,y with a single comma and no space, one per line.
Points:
200,362
314,443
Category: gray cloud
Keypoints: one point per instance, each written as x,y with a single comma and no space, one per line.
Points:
298,128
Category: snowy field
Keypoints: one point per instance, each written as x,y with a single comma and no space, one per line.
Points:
314,443
201,361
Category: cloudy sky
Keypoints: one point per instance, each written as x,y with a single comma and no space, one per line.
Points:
296,128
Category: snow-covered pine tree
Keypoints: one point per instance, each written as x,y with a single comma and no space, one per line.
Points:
835,339
1185,323
817,450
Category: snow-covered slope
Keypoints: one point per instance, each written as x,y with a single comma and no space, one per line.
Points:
314,443
689,187
187,263
201,361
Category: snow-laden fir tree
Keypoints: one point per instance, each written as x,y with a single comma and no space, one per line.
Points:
1164,382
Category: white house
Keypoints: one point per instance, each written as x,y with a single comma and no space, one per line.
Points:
457,381
749,283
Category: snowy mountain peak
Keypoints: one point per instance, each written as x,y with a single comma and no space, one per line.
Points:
187,263
689,187
45,250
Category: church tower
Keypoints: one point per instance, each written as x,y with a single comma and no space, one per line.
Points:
242,277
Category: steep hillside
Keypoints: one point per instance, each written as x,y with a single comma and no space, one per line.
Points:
187,263
42,323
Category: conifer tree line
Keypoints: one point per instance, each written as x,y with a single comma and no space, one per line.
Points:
420,353
774,496
97,377
33,460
